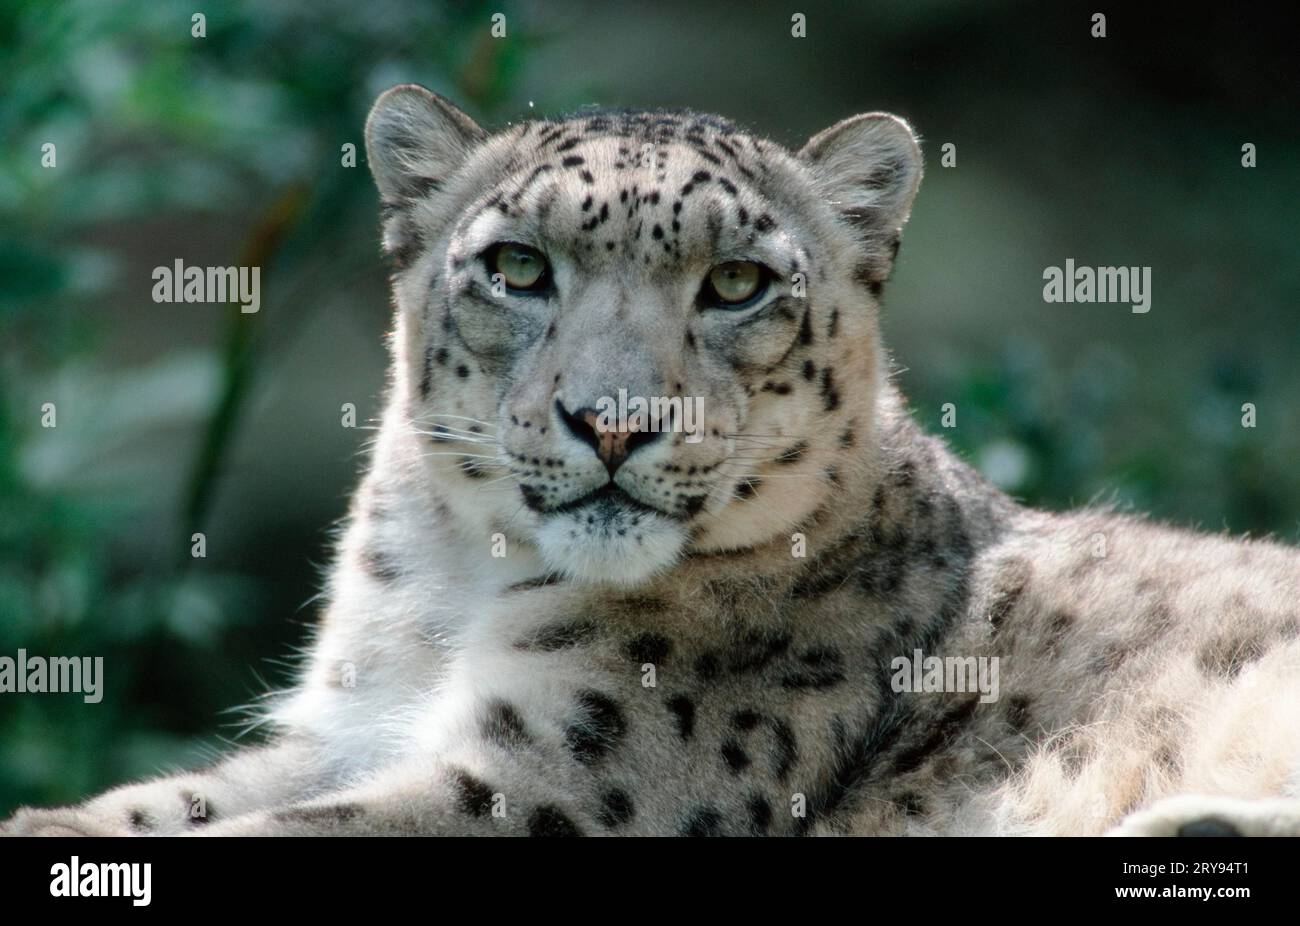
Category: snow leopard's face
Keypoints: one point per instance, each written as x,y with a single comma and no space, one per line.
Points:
714,289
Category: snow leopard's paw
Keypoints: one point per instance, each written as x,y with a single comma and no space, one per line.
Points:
58,821
1203,815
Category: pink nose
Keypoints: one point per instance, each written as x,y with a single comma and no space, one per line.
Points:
611,443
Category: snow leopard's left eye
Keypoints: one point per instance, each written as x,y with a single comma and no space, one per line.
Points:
735,284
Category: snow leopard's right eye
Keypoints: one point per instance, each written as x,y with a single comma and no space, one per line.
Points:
736,284
523,269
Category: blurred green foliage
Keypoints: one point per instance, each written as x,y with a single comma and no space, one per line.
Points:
227,149
149,119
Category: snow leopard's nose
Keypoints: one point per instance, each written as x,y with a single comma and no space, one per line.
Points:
613,440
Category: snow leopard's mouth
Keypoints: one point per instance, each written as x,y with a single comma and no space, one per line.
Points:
607,503
609,536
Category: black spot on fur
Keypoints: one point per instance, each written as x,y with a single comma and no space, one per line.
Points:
378,565
941,733
830,394
549,820
615,808
140,821
472,795
532,497
539,582
702,821
503,725
1059,624
597,729
756,648
819,667
649,647
562,635
746,720
683,709
805,328
1008,587
1229,654
793,454
708,666
735,756
426,375
328,814
693,505
1018,713
911,803
785,752
760,813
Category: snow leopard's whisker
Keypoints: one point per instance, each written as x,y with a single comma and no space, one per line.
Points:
481,430
765,438
518,511
754,462
764,477
451,437
760,455
448,428
479,421
498,479
456,453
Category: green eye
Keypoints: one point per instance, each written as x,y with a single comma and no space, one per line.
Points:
736,282
522,267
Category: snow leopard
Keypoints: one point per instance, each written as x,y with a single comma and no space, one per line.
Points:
777,618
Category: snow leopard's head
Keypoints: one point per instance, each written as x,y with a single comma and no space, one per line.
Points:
717,290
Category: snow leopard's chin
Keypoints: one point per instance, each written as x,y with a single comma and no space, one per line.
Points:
608,543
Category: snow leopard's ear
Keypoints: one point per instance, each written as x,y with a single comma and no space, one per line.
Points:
868,168
414,140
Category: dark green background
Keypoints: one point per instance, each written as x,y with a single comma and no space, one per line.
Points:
226,150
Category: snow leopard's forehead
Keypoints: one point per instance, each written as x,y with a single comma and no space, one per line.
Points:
651,194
